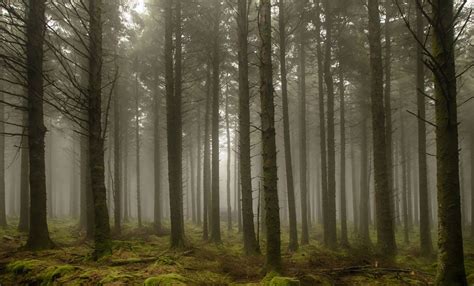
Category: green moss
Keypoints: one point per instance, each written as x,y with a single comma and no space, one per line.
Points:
166,280
209,278
284,281
315,280
115,276
470,279
24,266
53,273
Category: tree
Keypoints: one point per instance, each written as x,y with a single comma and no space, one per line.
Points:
3,214
157,211
330,212
442,63
229,153
137,155
173,84
385,230
216,86
24,221
270,176
250,242
425,229
293,243
102,244
38,236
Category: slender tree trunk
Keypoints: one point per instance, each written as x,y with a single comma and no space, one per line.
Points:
330,230
199,161
238,190
355,192
472,182
269,153
207,157
215,222
24,223
250,242
426,246
137,155
3,213
322,123
385,231
157,212
49,172
96,138
38,236
117,183
409,187
405,172
73,195
173,77
293,243
126,189
450,243
302,126
344,239
364,203
229,150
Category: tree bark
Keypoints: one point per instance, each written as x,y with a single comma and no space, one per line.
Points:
250,242
216,86
38,236
269,154
405,172
102,245
137,154
173,77
24,223
117,184
344,238
293,243
207,157
364,202
450,242
229,150
426,246
157,212
199,170
385,231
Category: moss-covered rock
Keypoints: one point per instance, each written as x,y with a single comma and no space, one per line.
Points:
52,273
171,279
284,281
315,280
24,266
115,276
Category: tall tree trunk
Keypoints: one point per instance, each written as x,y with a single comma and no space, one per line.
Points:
385,231
330,230
293,243
216,86
207,157
322,123
49,172
364,202
173,77
388,101
405,172
229,150
96,137
250,242
426,246
157,212
126,189
74,194
355,193
344,239
117,183
3,213
38,236
450,243
269,153
302,125
199,161
472,181
137,155
24,223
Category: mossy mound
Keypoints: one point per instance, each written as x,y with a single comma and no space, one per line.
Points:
53,273
284,281
171,279
24,266
115,276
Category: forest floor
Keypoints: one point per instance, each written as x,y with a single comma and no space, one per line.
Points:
139,255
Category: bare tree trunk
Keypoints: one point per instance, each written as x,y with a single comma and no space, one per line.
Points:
207,157
293,243
450,242
355,192
157,212
405,172
215,222
322,123
330,230
269,154
38,236
472,181
385,231
137,155
24,223
364,202
199,170
344,238
96,137
229,150
250,242
173,78
117,183
3,213
126,189
426,246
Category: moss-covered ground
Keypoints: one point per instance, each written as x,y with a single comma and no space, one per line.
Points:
142,258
